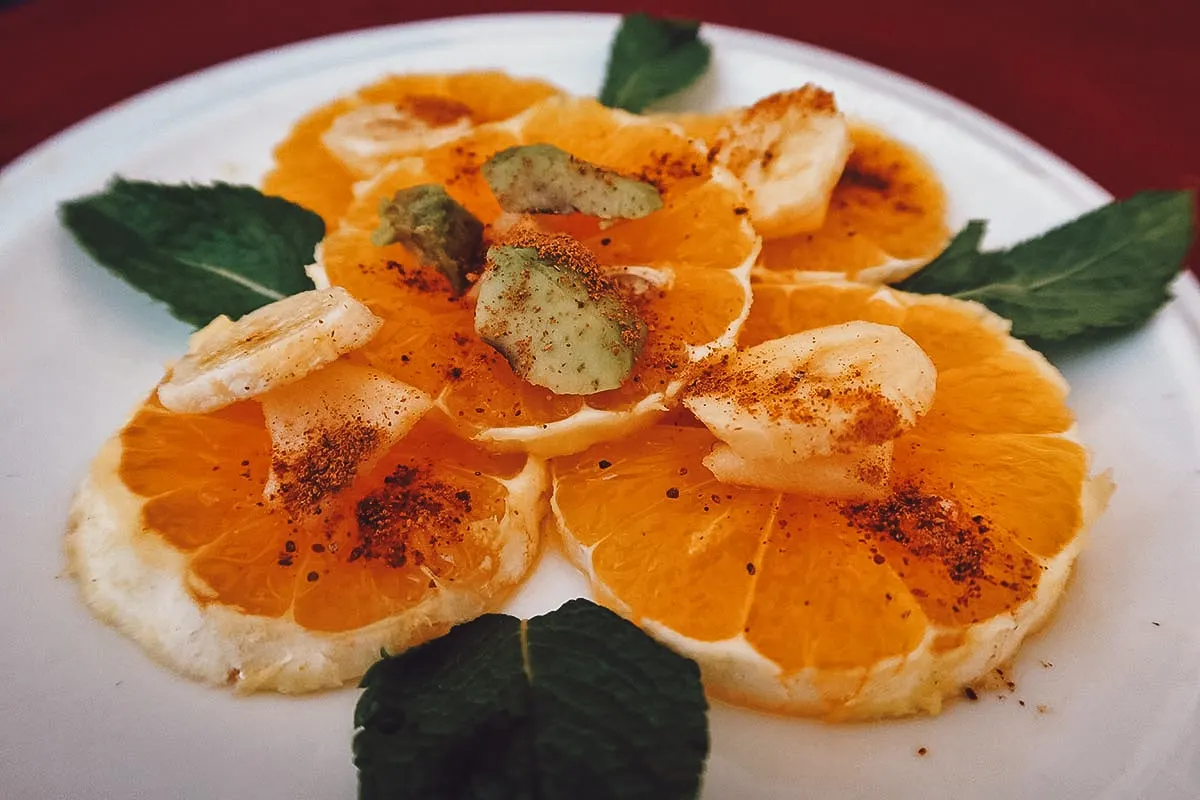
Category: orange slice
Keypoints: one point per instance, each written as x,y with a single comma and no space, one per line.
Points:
850,609
426,108
886,217
687,267
172,542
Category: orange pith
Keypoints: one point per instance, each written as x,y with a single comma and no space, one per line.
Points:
308,174
986,491
699,244
888,205
423,518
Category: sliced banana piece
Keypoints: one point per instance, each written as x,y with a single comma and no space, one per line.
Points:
368,137
815,411
268,348
332,426
789,148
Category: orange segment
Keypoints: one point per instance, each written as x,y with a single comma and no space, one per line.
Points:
1004,391
1027,484
424,518
806,306
888,206
190,504
242,569
718,528
848,608
308,174
811,588
698,243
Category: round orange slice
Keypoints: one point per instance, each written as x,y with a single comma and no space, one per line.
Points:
172,542
351,137
686,267
886,219
846,608
886,216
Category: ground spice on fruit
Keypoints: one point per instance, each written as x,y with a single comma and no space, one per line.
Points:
796,396
433,110
935,529
411,511
328,464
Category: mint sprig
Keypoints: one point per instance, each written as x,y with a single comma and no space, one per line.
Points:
652,58
202,250
575,703
1107,270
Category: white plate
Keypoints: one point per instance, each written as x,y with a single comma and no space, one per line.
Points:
84,714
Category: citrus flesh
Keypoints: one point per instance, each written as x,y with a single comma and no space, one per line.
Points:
309,174
849,609
886,217
260,596
685,268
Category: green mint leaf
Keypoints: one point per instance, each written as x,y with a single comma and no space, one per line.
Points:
202,250
652,58
577,703
1107,270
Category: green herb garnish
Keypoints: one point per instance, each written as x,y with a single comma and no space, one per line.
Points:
1109,269
652,58
202,250
576,703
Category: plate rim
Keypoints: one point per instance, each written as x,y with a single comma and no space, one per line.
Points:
996,133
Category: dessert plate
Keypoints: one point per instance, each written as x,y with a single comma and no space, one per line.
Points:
1104,702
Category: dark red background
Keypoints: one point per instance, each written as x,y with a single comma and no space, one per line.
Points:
1113,86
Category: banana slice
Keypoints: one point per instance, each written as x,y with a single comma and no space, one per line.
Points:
270,347
814,412
789,148
368,137
332,426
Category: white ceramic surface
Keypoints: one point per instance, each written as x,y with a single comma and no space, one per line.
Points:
84,714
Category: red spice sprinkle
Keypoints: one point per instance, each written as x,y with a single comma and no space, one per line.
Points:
434,110
934,529
411,508
328,464
922,751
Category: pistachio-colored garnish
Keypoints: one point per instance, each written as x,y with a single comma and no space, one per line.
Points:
545,305
543,179
435,226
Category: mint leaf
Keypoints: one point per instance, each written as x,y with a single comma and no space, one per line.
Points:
652,58
1109,269
578,703
202,250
